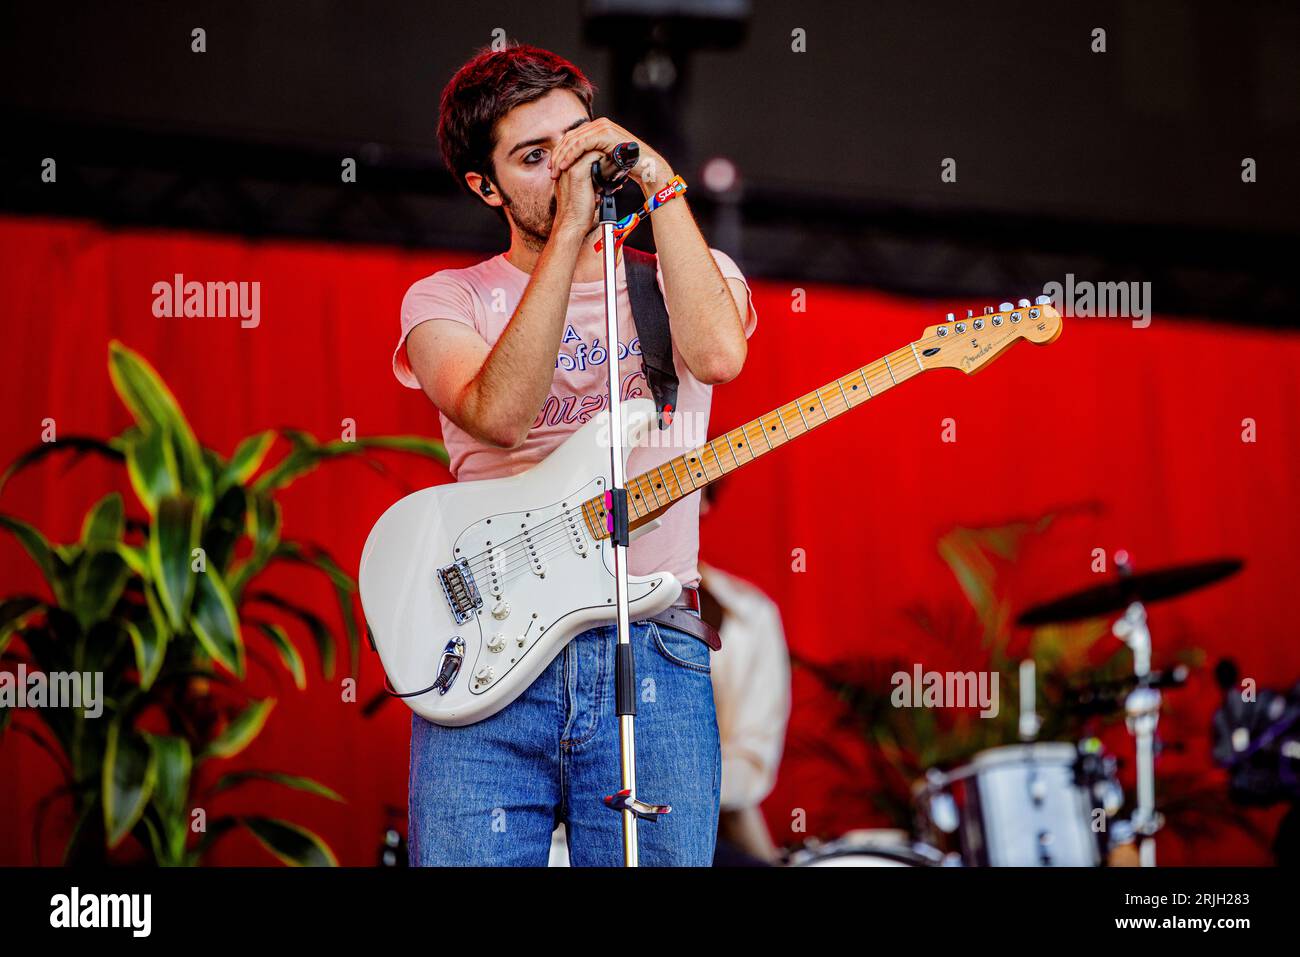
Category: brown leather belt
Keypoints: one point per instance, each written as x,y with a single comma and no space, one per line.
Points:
678,615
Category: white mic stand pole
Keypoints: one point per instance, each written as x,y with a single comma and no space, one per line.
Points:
616,522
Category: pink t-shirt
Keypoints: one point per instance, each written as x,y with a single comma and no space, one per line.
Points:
484,297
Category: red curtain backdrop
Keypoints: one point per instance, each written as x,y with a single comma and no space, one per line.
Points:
1134,436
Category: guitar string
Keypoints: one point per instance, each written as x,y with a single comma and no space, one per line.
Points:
481,563
510,565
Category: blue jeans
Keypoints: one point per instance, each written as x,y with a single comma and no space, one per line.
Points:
491,793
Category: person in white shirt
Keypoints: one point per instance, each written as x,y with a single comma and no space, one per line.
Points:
751,692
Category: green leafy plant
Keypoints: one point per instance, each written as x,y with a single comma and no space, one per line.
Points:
168,608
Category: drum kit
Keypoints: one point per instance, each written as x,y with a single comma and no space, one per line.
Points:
1045,803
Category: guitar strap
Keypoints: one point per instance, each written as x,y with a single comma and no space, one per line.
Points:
650,316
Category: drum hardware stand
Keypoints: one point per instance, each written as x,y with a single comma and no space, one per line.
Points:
1131,593
625,800
1030,722
1142,710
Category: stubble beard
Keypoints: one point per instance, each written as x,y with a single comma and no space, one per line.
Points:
532,223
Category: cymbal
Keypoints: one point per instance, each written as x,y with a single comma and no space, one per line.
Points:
1116,595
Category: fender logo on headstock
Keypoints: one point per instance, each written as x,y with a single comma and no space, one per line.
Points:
970,360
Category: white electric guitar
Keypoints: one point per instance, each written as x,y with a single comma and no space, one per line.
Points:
470,589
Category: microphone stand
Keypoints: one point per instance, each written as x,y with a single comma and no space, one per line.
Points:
625,800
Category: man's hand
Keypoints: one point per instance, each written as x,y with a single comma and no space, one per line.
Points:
575,199
602,135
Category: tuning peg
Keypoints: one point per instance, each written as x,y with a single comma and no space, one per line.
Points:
988,310
1042,300
1023,303
1005,307
969,313
949,318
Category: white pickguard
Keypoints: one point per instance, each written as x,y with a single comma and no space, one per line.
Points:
540,576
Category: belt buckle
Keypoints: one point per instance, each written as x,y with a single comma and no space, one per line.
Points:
688,599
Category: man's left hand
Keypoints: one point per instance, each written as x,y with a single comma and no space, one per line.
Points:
651,172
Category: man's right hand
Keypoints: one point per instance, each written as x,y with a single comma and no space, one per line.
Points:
576,215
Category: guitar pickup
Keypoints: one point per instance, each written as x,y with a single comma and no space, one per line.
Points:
460,589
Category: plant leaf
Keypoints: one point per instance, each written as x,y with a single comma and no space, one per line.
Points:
264,520
52,566
215,622
150,643
344,588
172,540
136,558
224,526
287,650
298,783
14,613
151,466
241,730
171,791
307,454
247,458
98,581
292,844
155,408
105,522
320,632
77,444
129,774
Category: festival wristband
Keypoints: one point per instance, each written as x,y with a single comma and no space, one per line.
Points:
674,187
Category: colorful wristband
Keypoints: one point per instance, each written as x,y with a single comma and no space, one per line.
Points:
674,188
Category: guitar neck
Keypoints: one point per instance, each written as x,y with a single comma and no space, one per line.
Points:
649,493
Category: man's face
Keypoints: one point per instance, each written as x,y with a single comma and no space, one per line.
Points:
525,138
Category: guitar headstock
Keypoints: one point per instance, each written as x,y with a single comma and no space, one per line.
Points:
971,343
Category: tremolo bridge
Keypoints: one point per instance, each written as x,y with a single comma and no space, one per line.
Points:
462,592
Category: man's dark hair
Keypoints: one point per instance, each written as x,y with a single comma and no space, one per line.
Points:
488,87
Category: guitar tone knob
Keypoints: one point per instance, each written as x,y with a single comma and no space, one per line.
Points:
500,610
486,673
497,644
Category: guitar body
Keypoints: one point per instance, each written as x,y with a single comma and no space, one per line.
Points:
442,600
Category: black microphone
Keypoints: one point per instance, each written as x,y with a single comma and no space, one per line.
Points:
611,170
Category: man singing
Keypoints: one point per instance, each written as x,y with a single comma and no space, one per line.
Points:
511,352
